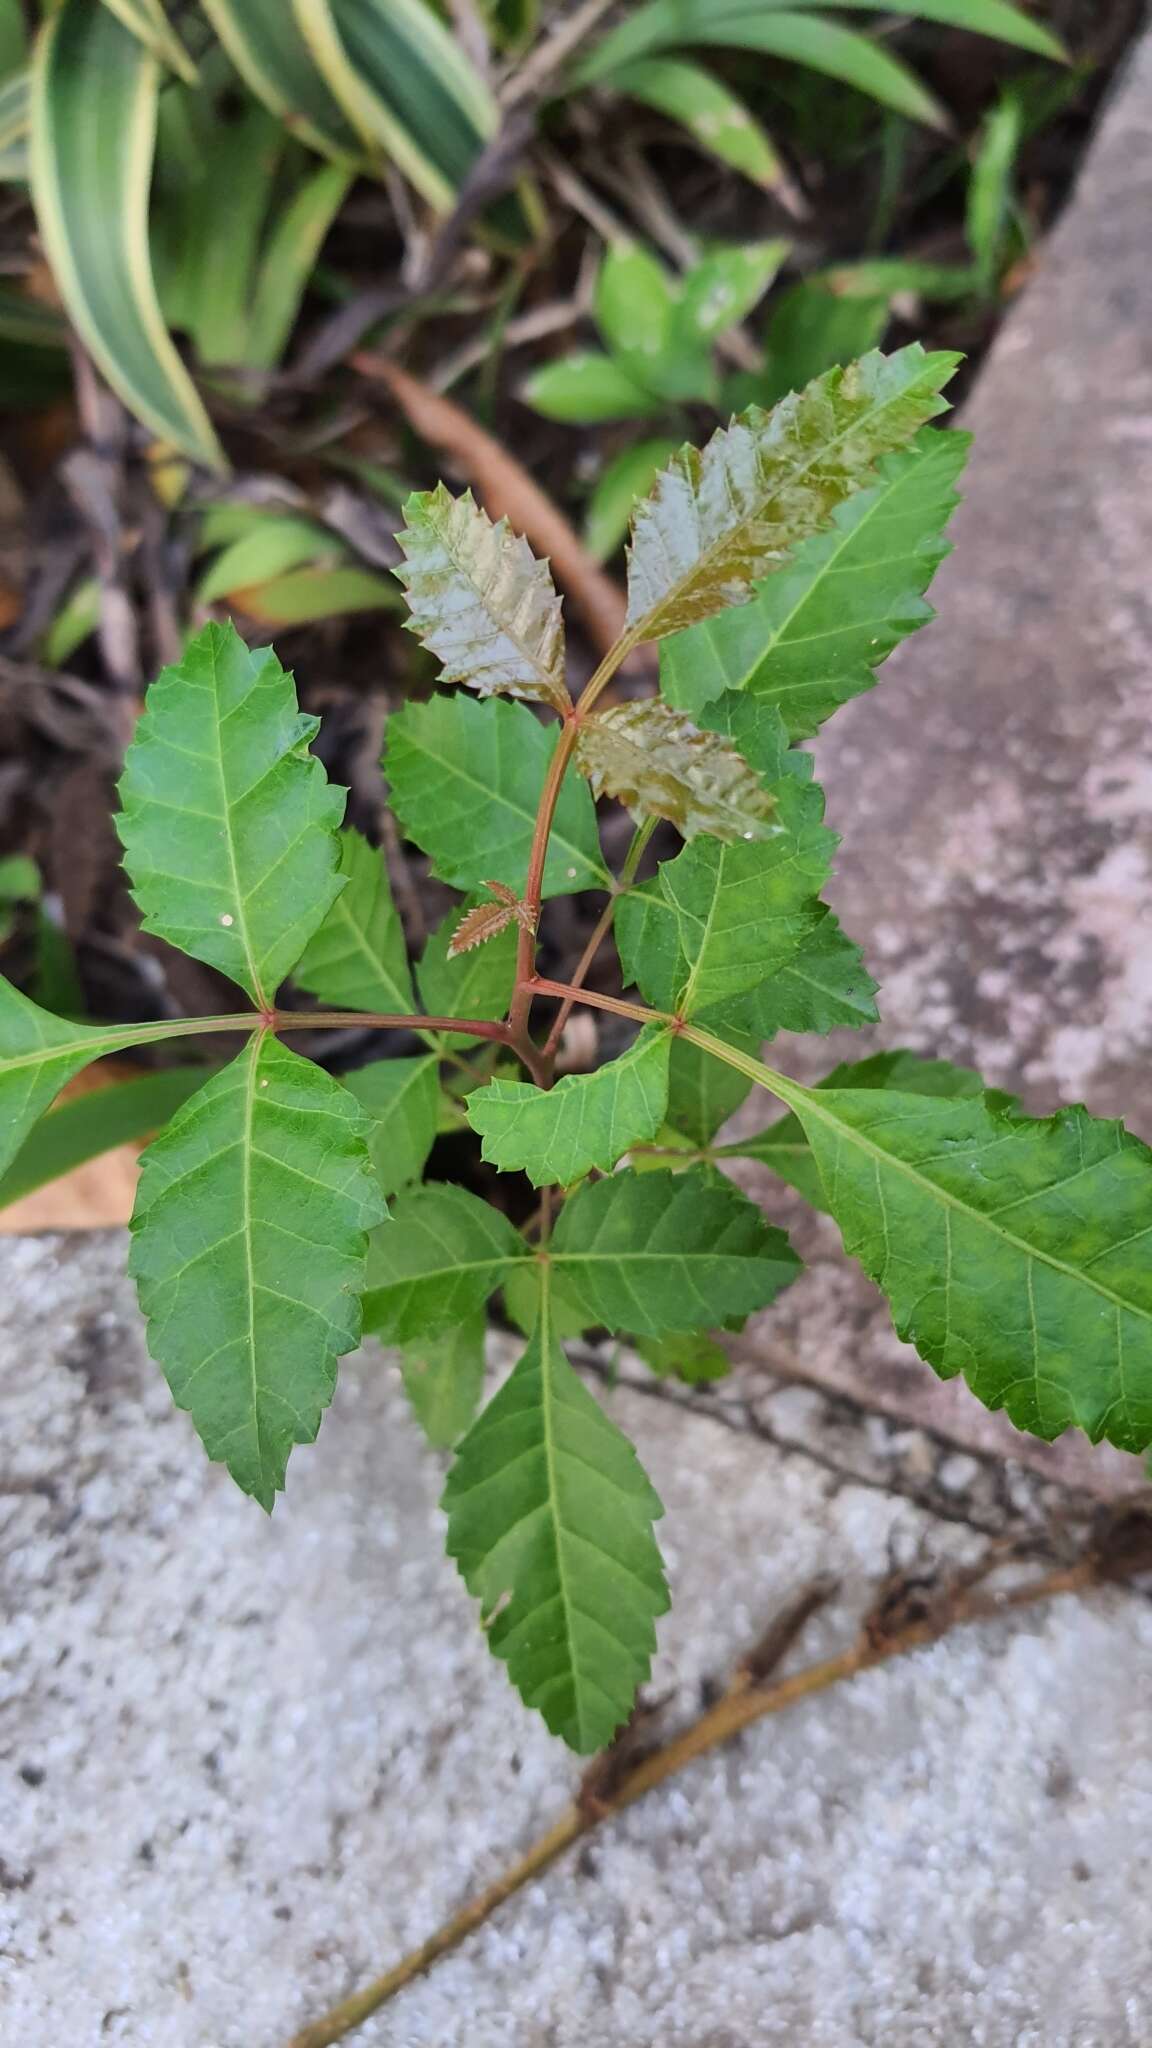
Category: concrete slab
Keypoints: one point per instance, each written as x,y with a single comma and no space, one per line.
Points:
245,1763
995,791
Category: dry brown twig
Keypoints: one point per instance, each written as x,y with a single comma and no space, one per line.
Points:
1121,1547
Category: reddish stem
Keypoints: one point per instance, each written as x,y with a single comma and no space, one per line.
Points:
534,884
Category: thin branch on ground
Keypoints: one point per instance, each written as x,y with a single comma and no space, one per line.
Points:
1122,1548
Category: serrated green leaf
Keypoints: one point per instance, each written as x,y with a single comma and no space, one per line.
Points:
655,760
248,1249
722,516
586,388
718,122
444,1379
476,984
358,958
824,987
1012,1250
39,1052
228,822
815,633
401,1100
93,130
784,1146
692,1358
585,1121
521,1295
480,600
466,779
550,1521
657,1252
437,1261
93,1123
745,911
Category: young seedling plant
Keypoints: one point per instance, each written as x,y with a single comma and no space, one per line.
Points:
282,1210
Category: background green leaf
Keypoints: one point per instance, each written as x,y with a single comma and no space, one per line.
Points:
95,1123
716,119
476,984
401,1100
587,387
815,633
93,127
550,1521
444,1379
248,1248
228,822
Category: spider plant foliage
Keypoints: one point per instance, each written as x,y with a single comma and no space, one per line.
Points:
284,1209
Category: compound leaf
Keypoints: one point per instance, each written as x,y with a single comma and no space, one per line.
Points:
228,822
402,1100
480,600
744,912
437,1261
1011,1249
358,959
466,780
444,1378
585,1121
725,515
550,1520
784,1146
660,1252
248,1248
655,760
815,632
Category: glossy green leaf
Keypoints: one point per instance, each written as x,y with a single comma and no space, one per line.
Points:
466,779
435,1262
814,328
93,128
476,984
654,759
585,388
783,1145
585,1121
228,822
1012,1250
444,1379
716,119
815,633
401,1099
790,34
358,958
550,1521
405,86
94,1123
630,475
248,1248
725,285
657,1252
721,517
269,51
480,601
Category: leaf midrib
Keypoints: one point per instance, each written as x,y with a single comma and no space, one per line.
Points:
548,679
